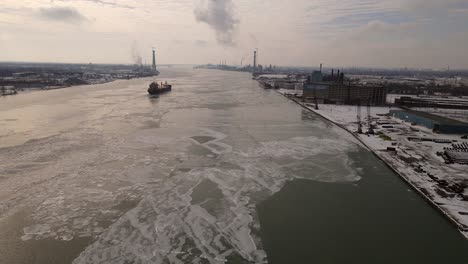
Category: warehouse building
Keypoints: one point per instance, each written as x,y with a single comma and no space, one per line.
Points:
433,102
438,124
354,94
332,89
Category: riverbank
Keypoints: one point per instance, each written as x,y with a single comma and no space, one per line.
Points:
103,81
27,90
442,185
20,77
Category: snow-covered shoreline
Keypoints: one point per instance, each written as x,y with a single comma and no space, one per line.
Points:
415,162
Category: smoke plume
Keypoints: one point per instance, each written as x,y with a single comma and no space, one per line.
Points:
64,14
137,59
219,15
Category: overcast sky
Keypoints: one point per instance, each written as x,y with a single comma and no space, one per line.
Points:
384,33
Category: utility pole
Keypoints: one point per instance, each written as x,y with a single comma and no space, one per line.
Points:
315,98
359,117
369,118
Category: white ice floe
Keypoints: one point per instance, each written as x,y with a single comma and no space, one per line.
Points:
168,225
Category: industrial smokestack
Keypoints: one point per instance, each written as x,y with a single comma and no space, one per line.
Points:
154,61
320,67
255,61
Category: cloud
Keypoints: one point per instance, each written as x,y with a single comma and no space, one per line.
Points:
412,44
387,33
102,2
62,14
379,26
433,5
201,43
219,15
112,4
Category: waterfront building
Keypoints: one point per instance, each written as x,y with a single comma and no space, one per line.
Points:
438,124
353,94
433,102
333,89
316,86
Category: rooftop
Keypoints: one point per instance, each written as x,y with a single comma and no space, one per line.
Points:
435,118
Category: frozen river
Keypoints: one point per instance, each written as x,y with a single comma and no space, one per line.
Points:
217,171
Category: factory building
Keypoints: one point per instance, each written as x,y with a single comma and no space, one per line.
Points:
332,89
316,86
438,124
353,94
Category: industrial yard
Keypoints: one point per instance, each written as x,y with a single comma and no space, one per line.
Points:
434,164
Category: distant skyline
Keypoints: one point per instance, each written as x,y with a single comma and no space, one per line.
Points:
361,33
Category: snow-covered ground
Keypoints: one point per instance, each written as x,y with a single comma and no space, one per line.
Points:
290,92
273,76
445,185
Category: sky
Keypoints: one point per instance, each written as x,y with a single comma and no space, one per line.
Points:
351,33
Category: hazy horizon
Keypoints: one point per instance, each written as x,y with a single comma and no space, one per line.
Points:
358,33
325,68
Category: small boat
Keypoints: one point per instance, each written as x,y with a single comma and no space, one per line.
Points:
156,88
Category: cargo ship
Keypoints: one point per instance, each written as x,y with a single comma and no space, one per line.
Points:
157,89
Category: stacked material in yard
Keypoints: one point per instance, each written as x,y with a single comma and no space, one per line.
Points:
461,146
457,154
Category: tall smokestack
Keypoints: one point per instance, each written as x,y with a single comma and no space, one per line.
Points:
154,61
255,61
320,67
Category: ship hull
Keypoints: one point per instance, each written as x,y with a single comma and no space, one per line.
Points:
156,89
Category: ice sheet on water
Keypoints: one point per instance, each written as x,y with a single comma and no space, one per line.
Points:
81,192
167,226
35,230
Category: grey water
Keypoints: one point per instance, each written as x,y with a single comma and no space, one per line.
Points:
217,171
